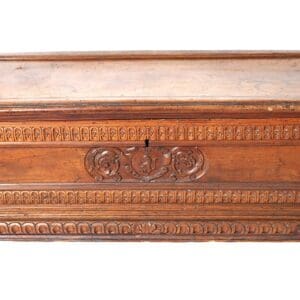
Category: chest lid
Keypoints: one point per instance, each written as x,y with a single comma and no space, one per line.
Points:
123,85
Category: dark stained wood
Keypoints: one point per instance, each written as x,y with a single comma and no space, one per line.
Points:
160,146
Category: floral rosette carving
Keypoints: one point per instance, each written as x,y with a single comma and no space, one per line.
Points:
188,163
103,164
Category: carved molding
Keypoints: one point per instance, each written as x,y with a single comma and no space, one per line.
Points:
128,196
151,228
184,132
146,164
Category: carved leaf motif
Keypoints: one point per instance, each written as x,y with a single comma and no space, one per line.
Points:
151,196
233,133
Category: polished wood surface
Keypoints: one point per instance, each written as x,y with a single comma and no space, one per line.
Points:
150,146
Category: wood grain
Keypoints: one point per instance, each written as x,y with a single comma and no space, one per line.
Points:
198,84
224,164
160,146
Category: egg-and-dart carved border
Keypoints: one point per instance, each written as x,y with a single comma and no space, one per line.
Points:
187,133
151,228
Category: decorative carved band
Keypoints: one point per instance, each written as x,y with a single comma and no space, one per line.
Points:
146,164
163,228
198,196
184,132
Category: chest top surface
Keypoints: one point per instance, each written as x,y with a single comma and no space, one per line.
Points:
194,82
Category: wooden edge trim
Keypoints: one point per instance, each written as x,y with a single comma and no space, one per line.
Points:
113,109
120,55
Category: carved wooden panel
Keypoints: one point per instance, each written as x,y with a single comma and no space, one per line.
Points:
179,146
225,163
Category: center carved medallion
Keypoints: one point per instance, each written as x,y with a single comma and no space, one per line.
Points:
146,164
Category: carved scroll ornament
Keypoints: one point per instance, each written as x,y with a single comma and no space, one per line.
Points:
146,164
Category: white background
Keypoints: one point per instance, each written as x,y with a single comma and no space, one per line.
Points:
149,270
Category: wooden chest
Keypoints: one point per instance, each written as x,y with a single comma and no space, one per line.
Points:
188,146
